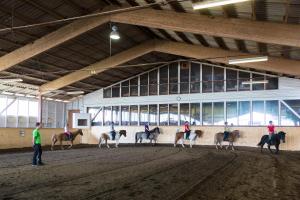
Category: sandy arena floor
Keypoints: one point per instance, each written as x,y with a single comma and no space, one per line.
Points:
151,173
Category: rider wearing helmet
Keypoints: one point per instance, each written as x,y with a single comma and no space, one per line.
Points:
147,131
187,130
112,130
271,130
226,131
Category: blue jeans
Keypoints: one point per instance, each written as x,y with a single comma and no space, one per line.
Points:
37,155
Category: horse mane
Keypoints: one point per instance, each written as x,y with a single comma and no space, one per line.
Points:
199,133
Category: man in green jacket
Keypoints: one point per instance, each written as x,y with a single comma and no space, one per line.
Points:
36,141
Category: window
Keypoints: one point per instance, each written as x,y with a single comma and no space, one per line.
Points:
184,113
258,86
184,77
195,114
294,104
2,107
163,114
218,113
152,115
124,115
258,113
115,91
33,113
173,77
144,85
218,79
97,115
153,82
231,80
195,78
125,89
116,115
143,114
207,114
107,115
107,93
272,83
134,115
134,86
288,118
244,78
163,80
206,78
173,110
272,112
22,113
231,112
244,113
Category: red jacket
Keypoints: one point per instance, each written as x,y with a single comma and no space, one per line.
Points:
186,127
271,129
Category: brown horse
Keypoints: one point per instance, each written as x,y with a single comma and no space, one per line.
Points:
105,137
233,135
192,138
63,137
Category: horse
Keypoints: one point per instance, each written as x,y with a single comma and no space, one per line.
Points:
106,136
275,141
153,136
233,135
63,137
193,136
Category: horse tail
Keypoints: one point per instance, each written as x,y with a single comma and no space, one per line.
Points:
262,140
136,137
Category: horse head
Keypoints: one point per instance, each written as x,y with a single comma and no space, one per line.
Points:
199,133
156,130
236,133
282,136
122,132
80,132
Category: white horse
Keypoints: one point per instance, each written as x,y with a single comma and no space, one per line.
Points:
106,136
139,136
193,136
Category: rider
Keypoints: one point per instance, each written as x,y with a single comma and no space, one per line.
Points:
226,131
68,132
112,130
187,130
147,131
271,130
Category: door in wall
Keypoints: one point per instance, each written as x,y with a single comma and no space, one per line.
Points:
70,117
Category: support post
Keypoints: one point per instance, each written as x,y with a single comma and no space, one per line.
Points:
40,106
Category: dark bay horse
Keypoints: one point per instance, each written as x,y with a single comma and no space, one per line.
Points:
152,137
275,141
106,136
193,136
232,137
63,137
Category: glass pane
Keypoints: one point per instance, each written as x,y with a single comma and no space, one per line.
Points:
231,113
206,78
116,115
143,114
244,113
134,86
195,114
134,115
125,89
218,113
107,93
163,114
288,118
231,80
272,112
184,113
153,82
107,115
173,76
207,114
173,108
144,85
258,86
33,109
153,115
272,83
195,78
294,104
258,113
125,115
23,108
98,119
244,79
116,90
218,79
163,80
184,77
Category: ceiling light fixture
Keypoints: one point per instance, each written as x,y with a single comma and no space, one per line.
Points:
114,33
30,96
7,93
19,95
76,92
248,60
11,80
214,3
254,82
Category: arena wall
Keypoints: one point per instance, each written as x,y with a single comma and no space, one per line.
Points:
250,136
12,137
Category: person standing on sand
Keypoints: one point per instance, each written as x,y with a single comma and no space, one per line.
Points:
36,142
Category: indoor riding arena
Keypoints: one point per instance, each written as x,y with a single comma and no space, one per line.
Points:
150,99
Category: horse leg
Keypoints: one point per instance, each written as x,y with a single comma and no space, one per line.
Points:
269,147
191,145
107,143
61,146
182,143
277,148
232,148
54,140
175,143
100,142
71,144
117,143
